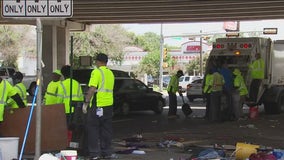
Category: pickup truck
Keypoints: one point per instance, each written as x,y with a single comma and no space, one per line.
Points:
7,72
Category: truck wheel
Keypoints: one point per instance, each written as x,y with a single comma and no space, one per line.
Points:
280,103
275,107
268,107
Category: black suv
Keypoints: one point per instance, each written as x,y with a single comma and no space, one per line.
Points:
134,95
129,94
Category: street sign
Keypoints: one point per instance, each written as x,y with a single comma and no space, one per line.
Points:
270,30
37,8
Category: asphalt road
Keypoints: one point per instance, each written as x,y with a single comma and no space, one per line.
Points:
194,132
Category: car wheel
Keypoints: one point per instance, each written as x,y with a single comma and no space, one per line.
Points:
125,109
159,107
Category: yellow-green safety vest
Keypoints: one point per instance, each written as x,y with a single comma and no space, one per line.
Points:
257,69
173,84
6,91
51,93
217,82
208,81
64,94
103,79
239,83
22,91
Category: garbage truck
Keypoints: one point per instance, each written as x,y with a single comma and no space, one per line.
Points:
240,52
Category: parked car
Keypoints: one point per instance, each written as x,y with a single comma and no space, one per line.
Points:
185,80
150,81
166,80
83,76
194,90
129,94
28,80
133,95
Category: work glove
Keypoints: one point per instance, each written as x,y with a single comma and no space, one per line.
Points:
85,108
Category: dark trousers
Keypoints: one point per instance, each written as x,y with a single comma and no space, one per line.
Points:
172,104
228,105
99,132
254,88
207,96
215,106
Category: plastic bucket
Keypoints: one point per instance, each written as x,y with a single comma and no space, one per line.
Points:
68,154
244,150
9,147
253,112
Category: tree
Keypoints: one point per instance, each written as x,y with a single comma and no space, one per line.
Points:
109,39
150,64
14,40
194,66
148,41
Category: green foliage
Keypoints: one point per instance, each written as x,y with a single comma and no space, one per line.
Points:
148,41
194,65
11,43
150,64
108,39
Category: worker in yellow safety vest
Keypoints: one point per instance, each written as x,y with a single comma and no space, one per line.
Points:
242,91
207,91
19,88
257,75
172,89
51,96
70,93
7,91
216,86
99,106
64,90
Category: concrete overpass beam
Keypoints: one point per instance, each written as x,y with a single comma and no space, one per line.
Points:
55,49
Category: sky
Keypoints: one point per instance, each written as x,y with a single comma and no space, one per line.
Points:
171,29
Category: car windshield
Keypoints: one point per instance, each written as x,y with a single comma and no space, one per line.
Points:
181,78
129,85
166,78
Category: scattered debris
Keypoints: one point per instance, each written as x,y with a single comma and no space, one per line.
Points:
251,126
134,144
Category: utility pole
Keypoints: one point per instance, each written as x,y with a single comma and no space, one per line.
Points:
201,57
161,59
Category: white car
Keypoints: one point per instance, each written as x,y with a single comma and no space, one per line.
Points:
194,90
185,80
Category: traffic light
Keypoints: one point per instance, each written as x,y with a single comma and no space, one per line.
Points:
165,53
165,65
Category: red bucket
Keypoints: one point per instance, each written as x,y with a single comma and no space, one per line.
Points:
253,112
68,155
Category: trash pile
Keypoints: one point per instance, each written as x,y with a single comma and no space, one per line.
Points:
240,151
133,145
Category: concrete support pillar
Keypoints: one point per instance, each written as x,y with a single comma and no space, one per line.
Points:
55,50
